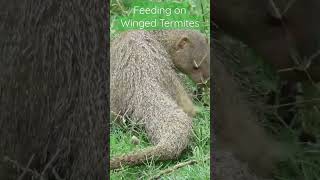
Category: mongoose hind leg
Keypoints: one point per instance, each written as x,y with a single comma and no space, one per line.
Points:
169,131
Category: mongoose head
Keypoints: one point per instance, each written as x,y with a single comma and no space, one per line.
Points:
191,56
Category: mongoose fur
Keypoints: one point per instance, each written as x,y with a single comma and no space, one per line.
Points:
144,85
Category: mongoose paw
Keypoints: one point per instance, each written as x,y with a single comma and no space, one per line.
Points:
192,111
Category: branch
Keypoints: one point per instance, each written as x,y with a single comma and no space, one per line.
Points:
172,169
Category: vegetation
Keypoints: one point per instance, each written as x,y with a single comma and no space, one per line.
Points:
258,80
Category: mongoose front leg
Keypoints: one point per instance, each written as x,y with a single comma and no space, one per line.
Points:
185,102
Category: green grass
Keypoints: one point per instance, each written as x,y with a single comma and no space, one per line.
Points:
197,7
199,147
303,162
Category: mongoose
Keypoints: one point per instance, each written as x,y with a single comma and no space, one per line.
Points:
237,128
144,85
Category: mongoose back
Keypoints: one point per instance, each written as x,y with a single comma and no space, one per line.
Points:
144,85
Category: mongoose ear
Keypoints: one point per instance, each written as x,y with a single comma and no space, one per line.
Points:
182,42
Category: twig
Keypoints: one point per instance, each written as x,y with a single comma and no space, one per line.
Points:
202,9
283,122
25,170
314,55
295,103
19,167
49,163
170,170
120,5
275,10
288,6
56,175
